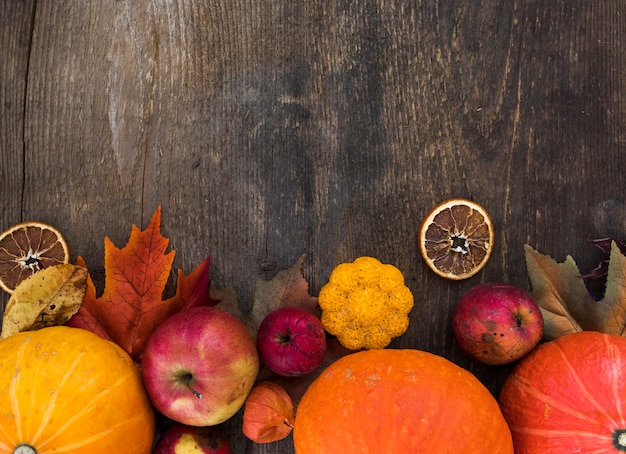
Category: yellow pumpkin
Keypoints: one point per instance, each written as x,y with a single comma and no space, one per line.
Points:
66,390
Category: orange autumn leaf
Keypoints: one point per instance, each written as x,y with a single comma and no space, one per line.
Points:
131,306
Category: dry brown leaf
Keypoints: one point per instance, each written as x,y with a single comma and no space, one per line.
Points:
287,288
46,298
612,308
227,297
561,294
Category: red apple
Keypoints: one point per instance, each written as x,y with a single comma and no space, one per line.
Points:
199,366
181,438
291,341
497,323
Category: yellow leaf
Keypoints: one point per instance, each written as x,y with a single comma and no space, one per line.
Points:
46,298
561,295
612,307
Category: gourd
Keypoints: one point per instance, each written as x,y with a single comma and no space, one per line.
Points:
365,304
399,401
569,396
67,390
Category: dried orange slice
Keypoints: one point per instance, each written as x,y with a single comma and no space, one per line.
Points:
456,238
29,247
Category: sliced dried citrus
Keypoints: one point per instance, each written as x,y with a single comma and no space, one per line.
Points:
456,238
29,247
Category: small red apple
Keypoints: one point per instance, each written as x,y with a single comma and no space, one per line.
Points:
181,438
291,341
497,323
199,366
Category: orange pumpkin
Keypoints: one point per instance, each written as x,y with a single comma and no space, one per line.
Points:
569,396
67,390
399,401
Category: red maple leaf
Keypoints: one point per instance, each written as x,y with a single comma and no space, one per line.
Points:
131,306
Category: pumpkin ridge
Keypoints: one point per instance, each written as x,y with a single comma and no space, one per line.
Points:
93,438
580,372
549,434
555,433
85,409
93,387
15,383
583,388
89,440
542,397
614,352
45,419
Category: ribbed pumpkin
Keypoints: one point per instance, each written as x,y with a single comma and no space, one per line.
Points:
569,396
399,401
66,390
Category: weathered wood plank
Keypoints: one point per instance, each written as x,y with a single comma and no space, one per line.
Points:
15,34
267,129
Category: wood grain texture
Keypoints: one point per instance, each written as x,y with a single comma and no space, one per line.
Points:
15,35
269,128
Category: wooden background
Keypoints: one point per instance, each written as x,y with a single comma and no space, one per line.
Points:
271,128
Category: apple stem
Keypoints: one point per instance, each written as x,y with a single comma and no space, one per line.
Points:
195,393
188,378
284,338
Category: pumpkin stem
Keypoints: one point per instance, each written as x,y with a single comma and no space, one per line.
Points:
619,439
24,449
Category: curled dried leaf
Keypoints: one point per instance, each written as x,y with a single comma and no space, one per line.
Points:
611,309
48,297
605,245
268,413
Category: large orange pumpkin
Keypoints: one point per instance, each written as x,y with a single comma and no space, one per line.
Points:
399,401
569,396
66,390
